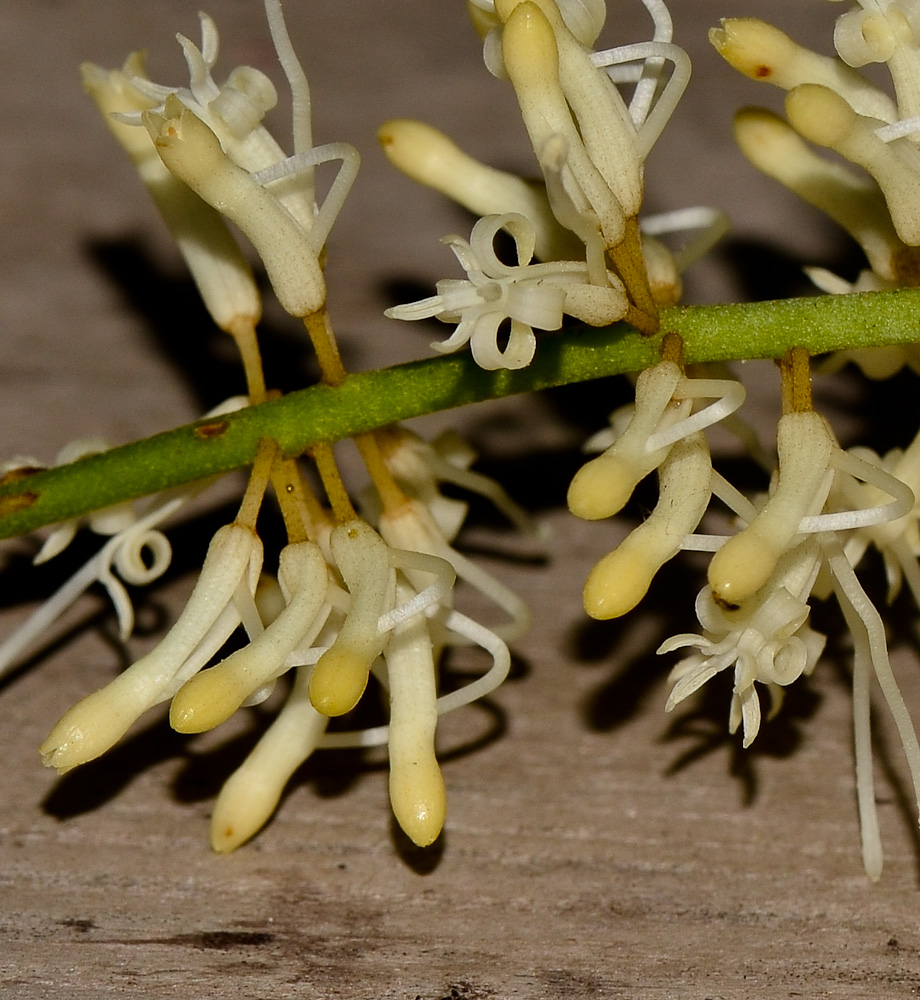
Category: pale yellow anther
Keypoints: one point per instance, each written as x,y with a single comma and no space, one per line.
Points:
430,157
825,118
621,579
762,52
747,560
192,152
417,792
852,201
341,673
211,697
602,486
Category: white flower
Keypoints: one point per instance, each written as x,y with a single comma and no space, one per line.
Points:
662,433
211,138
766,640
221,600
529,295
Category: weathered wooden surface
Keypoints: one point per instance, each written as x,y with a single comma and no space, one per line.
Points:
595,846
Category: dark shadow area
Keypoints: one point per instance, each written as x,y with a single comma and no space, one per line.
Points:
703,721
765,271
421,860
203,357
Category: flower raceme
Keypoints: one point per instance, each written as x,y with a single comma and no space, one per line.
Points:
363,601
353,602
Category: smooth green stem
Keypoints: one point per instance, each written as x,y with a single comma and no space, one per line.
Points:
374,399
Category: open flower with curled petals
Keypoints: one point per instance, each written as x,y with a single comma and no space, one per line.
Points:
824,505
766,640
529,295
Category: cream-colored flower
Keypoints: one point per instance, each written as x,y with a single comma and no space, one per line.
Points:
526,294
221,600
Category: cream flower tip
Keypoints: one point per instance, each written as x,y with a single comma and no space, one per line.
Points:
420,151
819,114
207,700
419,799
617,583
338,681
86,731
529,46
244,805
741,567
753,47
601,487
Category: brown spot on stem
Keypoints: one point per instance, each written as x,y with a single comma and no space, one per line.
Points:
16,475
763,71
16,503
206,431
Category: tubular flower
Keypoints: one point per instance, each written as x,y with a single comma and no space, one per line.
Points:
404,644
663,433
211,140
222,599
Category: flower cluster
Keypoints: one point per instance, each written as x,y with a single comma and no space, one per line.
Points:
363,596
831,105
580,249
349,597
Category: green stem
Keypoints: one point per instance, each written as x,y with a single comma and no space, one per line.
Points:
373,399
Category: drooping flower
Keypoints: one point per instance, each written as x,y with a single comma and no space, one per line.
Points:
662,433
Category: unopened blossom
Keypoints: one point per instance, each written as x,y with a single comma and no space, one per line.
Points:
221,600
662,433
831,104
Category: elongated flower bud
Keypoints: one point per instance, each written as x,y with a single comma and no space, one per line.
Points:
622,578
193,153
340,675
212,696
603,486
747,560
101,719
416,786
